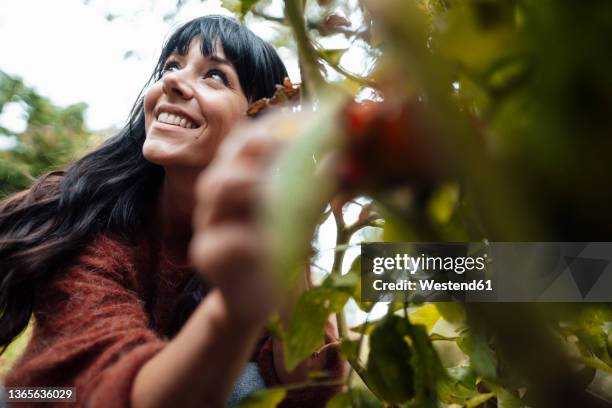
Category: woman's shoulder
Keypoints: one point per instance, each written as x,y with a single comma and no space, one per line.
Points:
108,253
107,257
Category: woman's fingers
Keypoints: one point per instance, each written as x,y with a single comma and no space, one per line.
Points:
225,252
227,193
229,257
255,142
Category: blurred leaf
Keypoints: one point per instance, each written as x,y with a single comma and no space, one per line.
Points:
275,327
482,359
13,177
591,324
451,311
478,34
425,315
364,328
263,398
333,55
478,400
354,274
234,6
246,6
292,222
350,349
507,400
442,203
460,384
439,337
354,398
507,75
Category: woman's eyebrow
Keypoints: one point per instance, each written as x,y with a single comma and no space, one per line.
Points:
221,60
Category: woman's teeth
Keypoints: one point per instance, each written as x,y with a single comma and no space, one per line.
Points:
172,119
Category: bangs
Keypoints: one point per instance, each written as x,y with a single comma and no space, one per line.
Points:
257,64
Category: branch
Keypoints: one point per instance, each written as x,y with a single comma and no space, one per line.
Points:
259,13
308,56
336,66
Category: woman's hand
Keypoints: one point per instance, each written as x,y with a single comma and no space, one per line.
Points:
228,246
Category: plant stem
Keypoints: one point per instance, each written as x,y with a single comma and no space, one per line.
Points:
341,239
258,13
360,80
593,363
308,384
308,57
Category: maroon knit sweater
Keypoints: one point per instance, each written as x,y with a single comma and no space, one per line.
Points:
100,320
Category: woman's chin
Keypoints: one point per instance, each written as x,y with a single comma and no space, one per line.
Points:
167,154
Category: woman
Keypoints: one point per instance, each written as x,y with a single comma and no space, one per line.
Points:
100,253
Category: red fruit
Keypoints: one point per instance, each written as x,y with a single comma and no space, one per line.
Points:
390,144
359,117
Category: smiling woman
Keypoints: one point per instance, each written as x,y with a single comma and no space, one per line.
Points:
134,305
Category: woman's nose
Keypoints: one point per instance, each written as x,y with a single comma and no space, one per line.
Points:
173,83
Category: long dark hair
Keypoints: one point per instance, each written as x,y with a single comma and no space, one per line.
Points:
112,188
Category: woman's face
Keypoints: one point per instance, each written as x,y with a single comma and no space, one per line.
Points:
192,108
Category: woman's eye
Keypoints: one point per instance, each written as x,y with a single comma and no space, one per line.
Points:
217,76
169,66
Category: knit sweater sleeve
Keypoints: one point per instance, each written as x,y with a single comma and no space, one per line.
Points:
91,330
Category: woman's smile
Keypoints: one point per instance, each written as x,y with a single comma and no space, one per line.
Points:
177,117
171,119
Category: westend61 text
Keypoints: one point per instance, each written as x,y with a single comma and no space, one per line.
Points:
430,284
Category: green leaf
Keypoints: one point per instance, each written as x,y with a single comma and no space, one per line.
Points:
364,328
354,398
232,5
482,359
263,398
443,202
292,222
451,311
275,327
507,75
350,349
426,362
246,6
592,327
306,327
478,400
461,384
426,315
333,55
439,337
505,399
355,274
389,371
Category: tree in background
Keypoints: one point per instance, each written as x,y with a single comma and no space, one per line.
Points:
54,136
